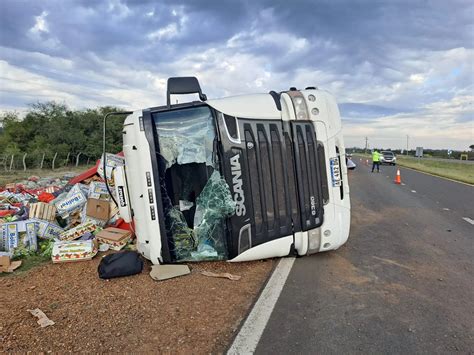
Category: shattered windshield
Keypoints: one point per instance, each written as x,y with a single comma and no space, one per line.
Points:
196,198
186,135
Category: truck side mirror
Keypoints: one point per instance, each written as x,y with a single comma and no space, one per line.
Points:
183,85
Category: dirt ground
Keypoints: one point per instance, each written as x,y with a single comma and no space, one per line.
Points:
190,314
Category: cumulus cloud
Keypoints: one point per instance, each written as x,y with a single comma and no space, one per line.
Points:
395,72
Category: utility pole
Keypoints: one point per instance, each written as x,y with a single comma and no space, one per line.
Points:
407,144
366,139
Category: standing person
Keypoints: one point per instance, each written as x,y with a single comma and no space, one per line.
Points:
376,160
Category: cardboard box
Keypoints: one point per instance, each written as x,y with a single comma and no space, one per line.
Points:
6,265
43,210
116,238
73,250
46,229
74,201
98,209
11,235
111,162
20,233
98,190
10,186
77,231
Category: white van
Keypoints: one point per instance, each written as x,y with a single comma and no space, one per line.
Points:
238,178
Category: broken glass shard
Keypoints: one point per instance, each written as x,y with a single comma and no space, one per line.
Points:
183,236
206,241
213,206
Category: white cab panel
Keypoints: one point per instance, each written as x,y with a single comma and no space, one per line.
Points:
138,162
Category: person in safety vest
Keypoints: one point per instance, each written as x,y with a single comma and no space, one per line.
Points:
376,160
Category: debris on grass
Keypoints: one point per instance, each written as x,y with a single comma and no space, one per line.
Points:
55,218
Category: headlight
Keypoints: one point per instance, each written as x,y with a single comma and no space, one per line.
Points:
301,110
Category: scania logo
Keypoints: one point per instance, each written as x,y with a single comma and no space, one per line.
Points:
239,197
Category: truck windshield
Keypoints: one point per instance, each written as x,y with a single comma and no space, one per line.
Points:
186,135
196,199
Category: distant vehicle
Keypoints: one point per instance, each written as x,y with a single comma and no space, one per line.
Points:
350,164
388,157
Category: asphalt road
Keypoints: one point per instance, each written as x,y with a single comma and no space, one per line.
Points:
403,283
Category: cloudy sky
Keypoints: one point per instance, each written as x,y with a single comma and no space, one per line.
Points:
397,68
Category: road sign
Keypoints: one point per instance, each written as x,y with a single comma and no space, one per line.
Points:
419,152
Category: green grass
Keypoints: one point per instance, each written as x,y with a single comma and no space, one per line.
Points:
19,175
455,170
27,264
452,170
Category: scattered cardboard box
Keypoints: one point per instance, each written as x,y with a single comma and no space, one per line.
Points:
98,209
111,162
74,201
7,265
116,238
73,250
98,190
46,229
15,234
78,231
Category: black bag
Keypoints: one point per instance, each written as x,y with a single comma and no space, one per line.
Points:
120,264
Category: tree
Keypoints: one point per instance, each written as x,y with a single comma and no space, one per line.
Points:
54,127
471,147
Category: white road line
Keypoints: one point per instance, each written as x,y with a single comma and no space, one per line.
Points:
413,191
467,219
445,209
249,335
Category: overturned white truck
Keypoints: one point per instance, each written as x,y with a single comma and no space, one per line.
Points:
239,178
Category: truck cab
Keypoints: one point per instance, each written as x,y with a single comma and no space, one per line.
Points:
238,178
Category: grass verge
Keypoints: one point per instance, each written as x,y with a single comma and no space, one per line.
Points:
27,264
463,172
451,170
14,176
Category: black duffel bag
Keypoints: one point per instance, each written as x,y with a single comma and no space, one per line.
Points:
121,264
